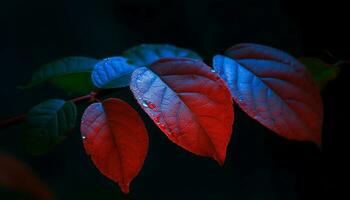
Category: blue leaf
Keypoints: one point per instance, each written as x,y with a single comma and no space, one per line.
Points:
146,54
113,72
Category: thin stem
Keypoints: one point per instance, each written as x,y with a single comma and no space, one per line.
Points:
93,96
16,119
11,121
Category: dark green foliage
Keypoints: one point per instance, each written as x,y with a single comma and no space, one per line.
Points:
47,124
72,74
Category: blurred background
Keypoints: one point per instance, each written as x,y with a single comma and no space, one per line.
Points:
259,165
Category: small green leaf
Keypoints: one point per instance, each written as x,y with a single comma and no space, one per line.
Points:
146,54
71,74
321,71
47,124
114,72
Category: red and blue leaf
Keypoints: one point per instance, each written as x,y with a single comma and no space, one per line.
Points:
188,102
116,139
275,89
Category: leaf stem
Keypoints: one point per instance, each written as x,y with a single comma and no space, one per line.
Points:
16,119
12,120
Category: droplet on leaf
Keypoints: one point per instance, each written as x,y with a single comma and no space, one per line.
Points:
151,105
145,104
156,119
162,126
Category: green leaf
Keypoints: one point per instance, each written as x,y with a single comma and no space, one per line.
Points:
114,72
47,124
72,74
146,54
321,71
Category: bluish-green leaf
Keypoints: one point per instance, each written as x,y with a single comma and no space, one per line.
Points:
114,72
146,54
72,74
321,71
47,124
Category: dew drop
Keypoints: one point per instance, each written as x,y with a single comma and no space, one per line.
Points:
162,126
151,105
156,119
138,80
84,137
145,104
213,70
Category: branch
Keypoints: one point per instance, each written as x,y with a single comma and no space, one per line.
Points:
16,119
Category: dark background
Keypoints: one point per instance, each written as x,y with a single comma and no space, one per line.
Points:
259,165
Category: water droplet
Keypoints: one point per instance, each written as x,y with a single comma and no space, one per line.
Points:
145,104
213,70
156,119
151,105
162,126
139,98
84,137
138,80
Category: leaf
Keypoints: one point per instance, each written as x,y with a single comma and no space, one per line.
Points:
72,74
15,175
112,72
188,102
321,71
146,54
47,124
273,88
116,139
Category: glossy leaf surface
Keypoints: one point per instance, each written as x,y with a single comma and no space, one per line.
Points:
47,124
188,102
146,54
116,139
72,74
275,89
112,72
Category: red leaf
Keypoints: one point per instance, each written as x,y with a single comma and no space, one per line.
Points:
16,175
275,89
116,139
188,102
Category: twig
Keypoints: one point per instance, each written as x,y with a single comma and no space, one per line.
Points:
16,119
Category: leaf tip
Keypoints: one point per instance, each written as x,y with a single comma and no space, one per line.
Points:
124,187
220,159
